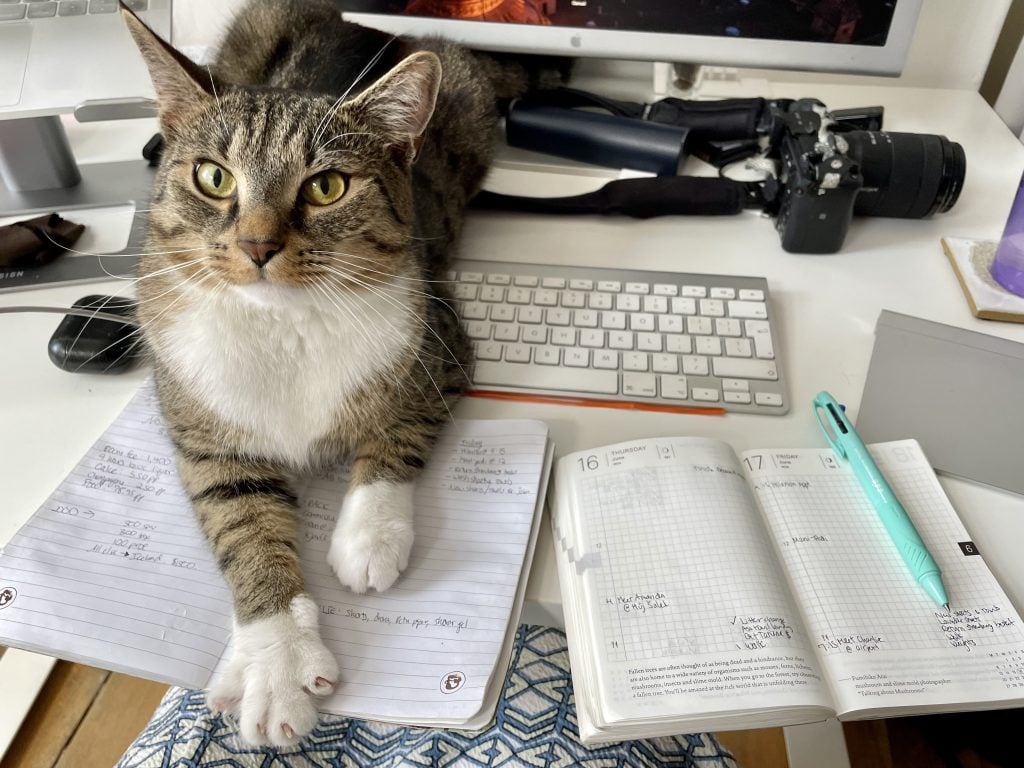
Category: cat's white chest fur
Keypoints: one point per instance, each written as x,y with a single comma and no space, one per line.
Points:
279,362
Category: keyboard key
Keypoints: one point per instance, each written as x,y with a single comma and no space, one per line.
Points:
606,358
673,387
723,293
648,342
514,353
768,398
478,329
518,295
694,291
743,368
535,334
545,297
634,361
708,345
712,307
670,324
576,358
627,302
751,294
137,5
42,10
531,315
615,321
699,326
655,304
12,13
724,326
578,284
496,278
599,301
705,394
591,338
546,355
663,363
558,316
72,7
503,313
752,309
529,281
472,277
585,318
684,306
694,365
638,287
574,299
680,344
488,350
466,291
563,336
666,289
552,282
505,332
738,347
547,377
761,333
492,293
742,398
641,321
620,339
474,310
735,385
612,286
639,384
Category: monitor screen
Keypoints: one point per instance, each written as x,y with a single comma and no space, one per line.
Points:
857,36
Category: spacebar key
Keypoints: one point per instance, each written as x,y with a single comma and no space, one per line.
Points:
546,377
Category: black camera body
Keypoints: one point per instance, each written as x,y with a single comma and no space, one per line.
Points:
828,171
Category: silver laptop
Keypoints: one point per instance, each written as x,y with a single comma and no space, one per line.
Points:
59,57
56,55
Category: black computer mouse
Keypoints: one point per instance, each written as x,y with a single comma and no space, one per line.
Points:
83,344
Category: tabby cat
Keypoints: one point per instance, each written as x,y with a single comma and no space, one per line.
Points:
311,187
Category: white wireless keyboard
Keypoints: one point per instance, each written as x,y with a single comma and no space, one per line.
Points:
622,335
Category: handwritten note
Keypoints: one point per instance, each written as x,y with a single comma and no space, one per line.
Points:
863,608
113,571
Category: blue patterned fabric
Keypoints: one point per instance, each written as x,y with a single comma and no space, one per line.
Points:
535,725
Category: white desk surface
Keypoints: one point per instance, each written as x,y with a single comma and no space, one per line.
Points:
825,306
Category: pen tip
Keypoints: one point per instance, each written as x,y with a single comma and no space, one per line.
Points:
946,606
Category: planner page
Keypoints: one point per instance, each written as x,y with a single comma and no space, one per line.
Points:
113,571
885,644
677,594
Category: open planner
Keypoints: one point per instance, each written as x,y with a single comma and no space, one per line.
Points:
708,591
113,571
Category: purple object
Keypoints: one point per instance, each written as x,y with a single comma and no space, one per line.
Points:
1008,264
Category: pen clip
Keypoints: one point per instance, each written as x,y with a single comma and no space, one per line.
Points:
834,423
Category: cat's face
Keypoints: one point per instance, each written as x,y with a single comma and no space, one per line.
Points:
264,187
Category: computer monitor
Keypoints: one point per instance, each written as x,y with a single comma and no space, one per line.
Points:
850,36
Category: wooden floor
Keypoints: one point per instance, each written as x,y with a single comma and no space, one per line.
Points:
86,717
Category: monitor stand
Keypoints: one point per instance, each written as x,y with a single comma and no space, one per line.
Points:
39,175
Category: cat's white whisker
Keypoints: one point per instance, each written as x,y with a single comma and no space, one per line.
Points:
318,134
423,323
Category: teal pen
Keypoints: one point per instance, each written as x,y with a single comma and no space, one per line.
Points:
847,443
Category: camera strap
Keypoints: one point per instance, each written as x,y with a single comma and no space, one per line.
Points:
640,198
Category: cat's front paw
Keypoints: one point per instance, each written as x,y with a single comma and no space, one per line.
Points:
278,668
371,543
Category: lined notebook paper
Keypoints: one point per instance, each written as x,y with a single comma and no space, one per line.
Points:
113,571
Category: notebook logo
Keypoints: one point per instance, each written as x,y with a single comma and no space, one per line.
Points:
968,548
452,682
7,595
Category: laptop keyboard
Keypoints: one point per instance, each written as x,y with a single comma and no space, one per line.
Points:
622,335
17,10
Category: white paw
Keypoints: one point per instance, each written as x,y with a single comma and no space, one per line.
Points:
371,542
278,667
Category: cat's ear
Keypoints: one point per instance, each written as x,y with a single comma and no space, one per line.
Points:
401,102
180,83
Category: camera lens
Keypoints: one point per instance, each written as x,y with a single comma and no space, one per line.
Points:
906,175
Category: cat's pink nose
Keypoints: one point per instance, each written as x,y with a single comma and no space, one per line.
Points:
260,251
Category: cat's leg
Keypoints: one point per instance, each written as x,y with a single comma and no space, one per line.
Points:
373,537
279,664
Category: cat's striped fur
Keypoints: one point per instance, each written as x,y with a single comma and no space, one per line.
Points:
285,334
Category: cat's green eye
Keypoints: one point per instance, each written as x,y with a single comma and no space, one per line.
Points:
325,188
213,180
